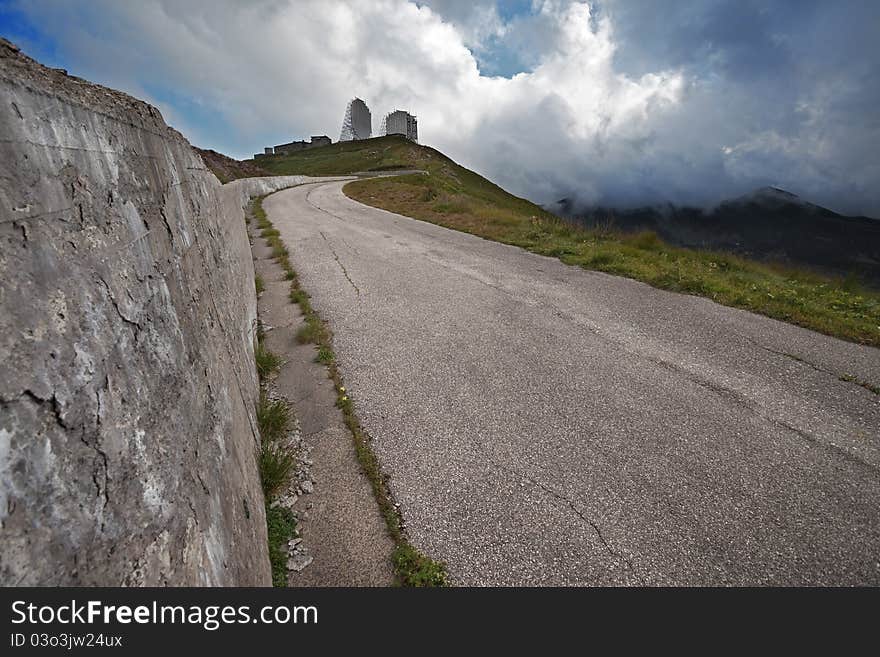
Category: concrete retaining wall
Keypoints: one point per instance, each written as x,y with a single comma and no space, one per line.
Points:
127,316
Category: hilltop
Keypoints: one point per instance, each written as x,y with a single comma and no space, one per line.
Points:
347,157
450,194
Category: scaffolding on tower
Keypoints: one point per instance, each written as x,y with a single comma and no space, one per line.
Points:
400,122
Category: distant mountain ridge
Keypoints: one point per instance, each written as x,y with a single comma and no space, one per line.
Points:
768,224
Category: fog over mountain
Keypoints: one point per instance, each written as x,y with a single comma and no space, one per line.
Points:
768,224
614,102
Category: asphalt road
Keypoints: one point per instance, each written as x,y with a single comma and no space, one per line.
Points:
543,424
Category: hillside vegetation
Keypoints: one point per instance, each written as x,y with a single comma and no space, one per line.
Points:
457,198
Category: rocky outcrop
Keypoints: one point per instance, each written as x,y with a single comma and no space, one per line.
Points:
127,318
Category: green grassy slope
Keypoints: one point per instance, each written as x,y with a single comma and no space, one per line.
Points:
457,198
349,157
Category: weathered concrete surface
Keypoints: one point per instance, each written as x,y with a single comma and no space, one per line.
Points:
543,424
127,311
339,521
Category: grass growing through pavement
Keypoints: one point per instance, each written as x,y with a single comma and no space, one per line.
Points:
312,331
849,378
276,464
412,567
267,362
273,417
281,526
421,570
275,461
457,198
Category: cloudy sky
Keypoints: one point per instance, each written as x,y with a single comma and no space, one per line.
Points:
620,102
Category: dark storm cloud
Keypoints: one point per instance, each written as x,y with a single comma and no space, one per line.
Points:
782,93
807,71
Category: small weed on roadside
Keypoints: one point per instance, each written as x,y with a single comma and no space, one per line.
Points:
416,569
281,527
267,362
325,355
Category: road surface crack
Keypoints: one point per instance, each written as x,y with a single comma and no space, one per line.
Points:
834,448
753,407
319,208
339,262
616,554
846,378
350,247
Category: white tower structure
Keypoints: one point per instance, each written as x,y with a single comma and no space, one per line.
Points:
400,122
358,123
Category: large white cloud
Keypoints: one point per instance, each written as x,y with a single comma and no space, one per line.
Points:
240,75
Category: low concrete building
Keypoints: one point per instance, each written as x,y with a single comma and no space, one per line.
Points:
290,147
316,141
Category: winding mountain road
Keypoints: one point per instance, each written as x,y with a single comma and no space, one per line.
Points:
547,425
